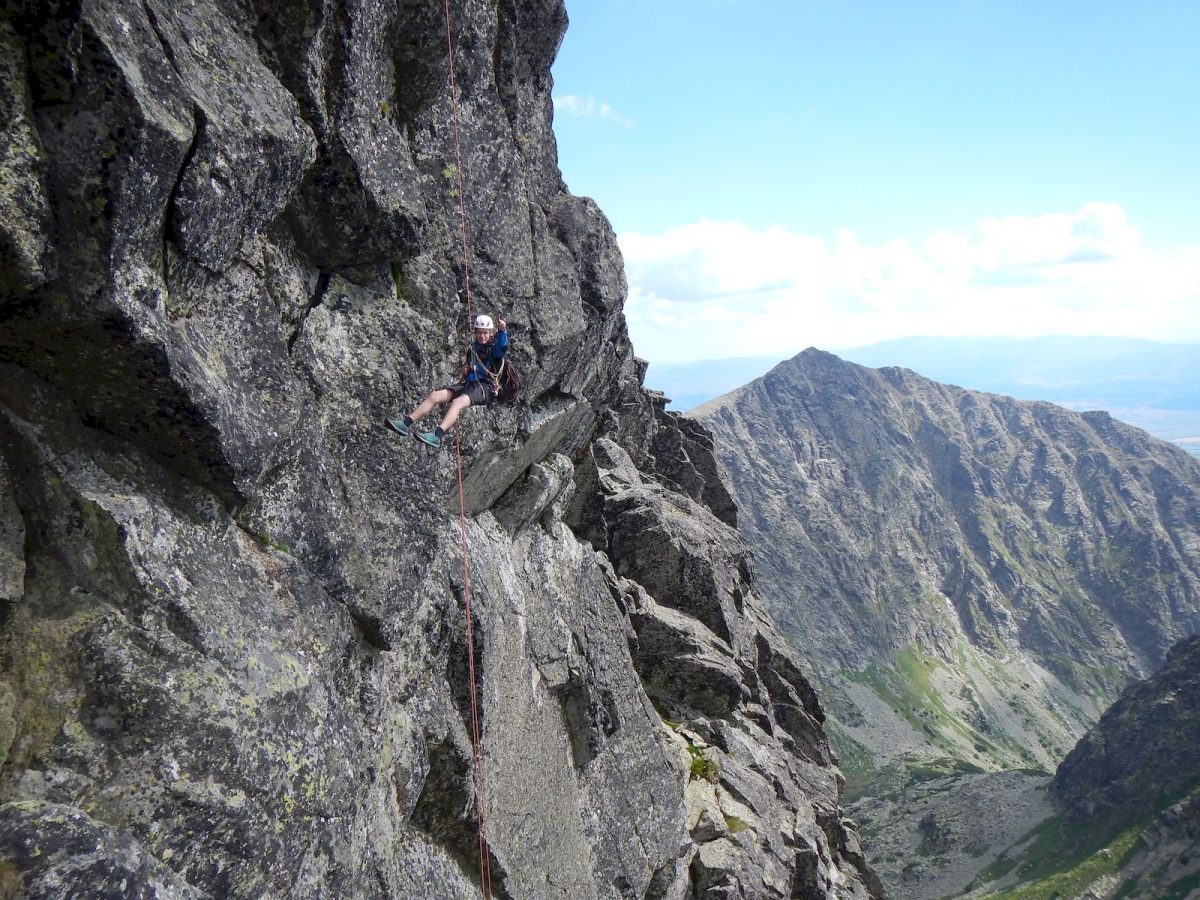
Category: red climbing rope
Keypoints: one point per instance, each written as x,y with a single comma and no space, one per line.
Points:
485,865
458,164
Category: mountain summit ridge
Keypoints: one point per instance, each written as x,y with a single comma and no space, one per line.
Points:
964,571
1151,385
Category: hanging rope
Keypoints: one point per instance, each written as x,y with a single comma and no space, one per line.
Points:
458,163
485,864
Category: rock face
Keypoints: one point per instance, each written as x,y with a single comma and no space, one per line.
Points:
232,605
1138,773
969,575
1143,751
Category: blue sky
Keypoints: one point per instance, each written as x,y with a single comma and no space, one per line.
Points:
786,174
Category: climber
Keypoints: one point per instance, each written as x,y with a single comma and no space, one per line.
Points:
480,378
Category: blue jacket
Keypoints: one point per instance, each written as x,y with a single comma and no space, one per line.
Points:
487,356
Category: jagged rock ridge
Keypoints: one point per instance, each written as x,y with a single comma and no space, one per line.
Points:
1144,749
970,576
233,647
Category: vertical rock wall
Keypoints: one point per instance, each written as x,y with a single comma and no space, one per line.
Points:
232,606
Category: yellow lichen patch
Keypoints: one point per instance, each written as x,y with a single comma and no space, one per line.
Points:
8,725
44,696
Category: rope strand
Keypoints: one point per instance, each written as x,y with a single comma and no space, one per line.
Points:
485,865
459,182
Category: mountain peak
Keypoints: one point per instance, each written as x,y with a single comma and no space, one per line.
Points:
987,558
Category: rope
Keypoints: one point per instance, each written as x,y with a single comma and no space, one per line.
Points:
458,164
485,865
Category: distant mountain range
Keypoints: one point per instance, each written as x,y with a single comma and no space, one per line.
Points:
972,580
1153,386
969,575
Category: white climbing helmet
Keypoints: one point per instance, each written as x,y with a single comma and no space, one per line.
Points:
485,322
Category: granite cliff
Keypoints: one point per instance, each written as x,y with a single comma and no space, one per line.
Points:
233,656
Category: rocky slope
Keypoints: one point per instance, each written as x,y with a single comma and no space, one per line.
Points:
1144,750
233,639
970,576
1120,818
933,833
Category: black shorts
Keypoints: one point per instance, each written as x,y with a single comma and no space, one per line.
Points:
480,393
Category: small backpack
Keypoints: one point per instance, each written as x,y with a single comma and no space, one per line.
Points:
511,390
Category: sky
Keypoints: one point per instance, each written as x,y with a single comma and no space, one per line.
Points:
833,173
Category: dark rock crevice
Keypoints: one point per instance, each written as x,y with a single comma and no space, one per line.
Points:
445,811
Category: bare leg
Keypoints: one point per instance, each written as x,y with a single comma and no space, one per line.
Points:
461,402
435,398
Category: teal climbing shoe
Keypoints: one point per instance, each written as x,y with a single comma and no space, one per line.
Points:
429,437
398,426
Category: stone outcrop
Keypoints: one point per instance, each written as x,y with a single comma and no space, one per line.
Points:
234,648
969,576
1127,800
1143,751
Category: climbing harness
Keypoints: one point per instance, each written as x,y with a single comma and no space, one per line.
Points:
485,865
508,387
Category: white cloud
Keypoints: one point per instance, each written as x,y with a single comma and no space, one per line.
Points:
712,259
590,108
721,289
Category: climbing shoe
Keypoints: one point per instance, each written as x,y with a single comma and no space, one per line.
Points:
399,426
429,437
